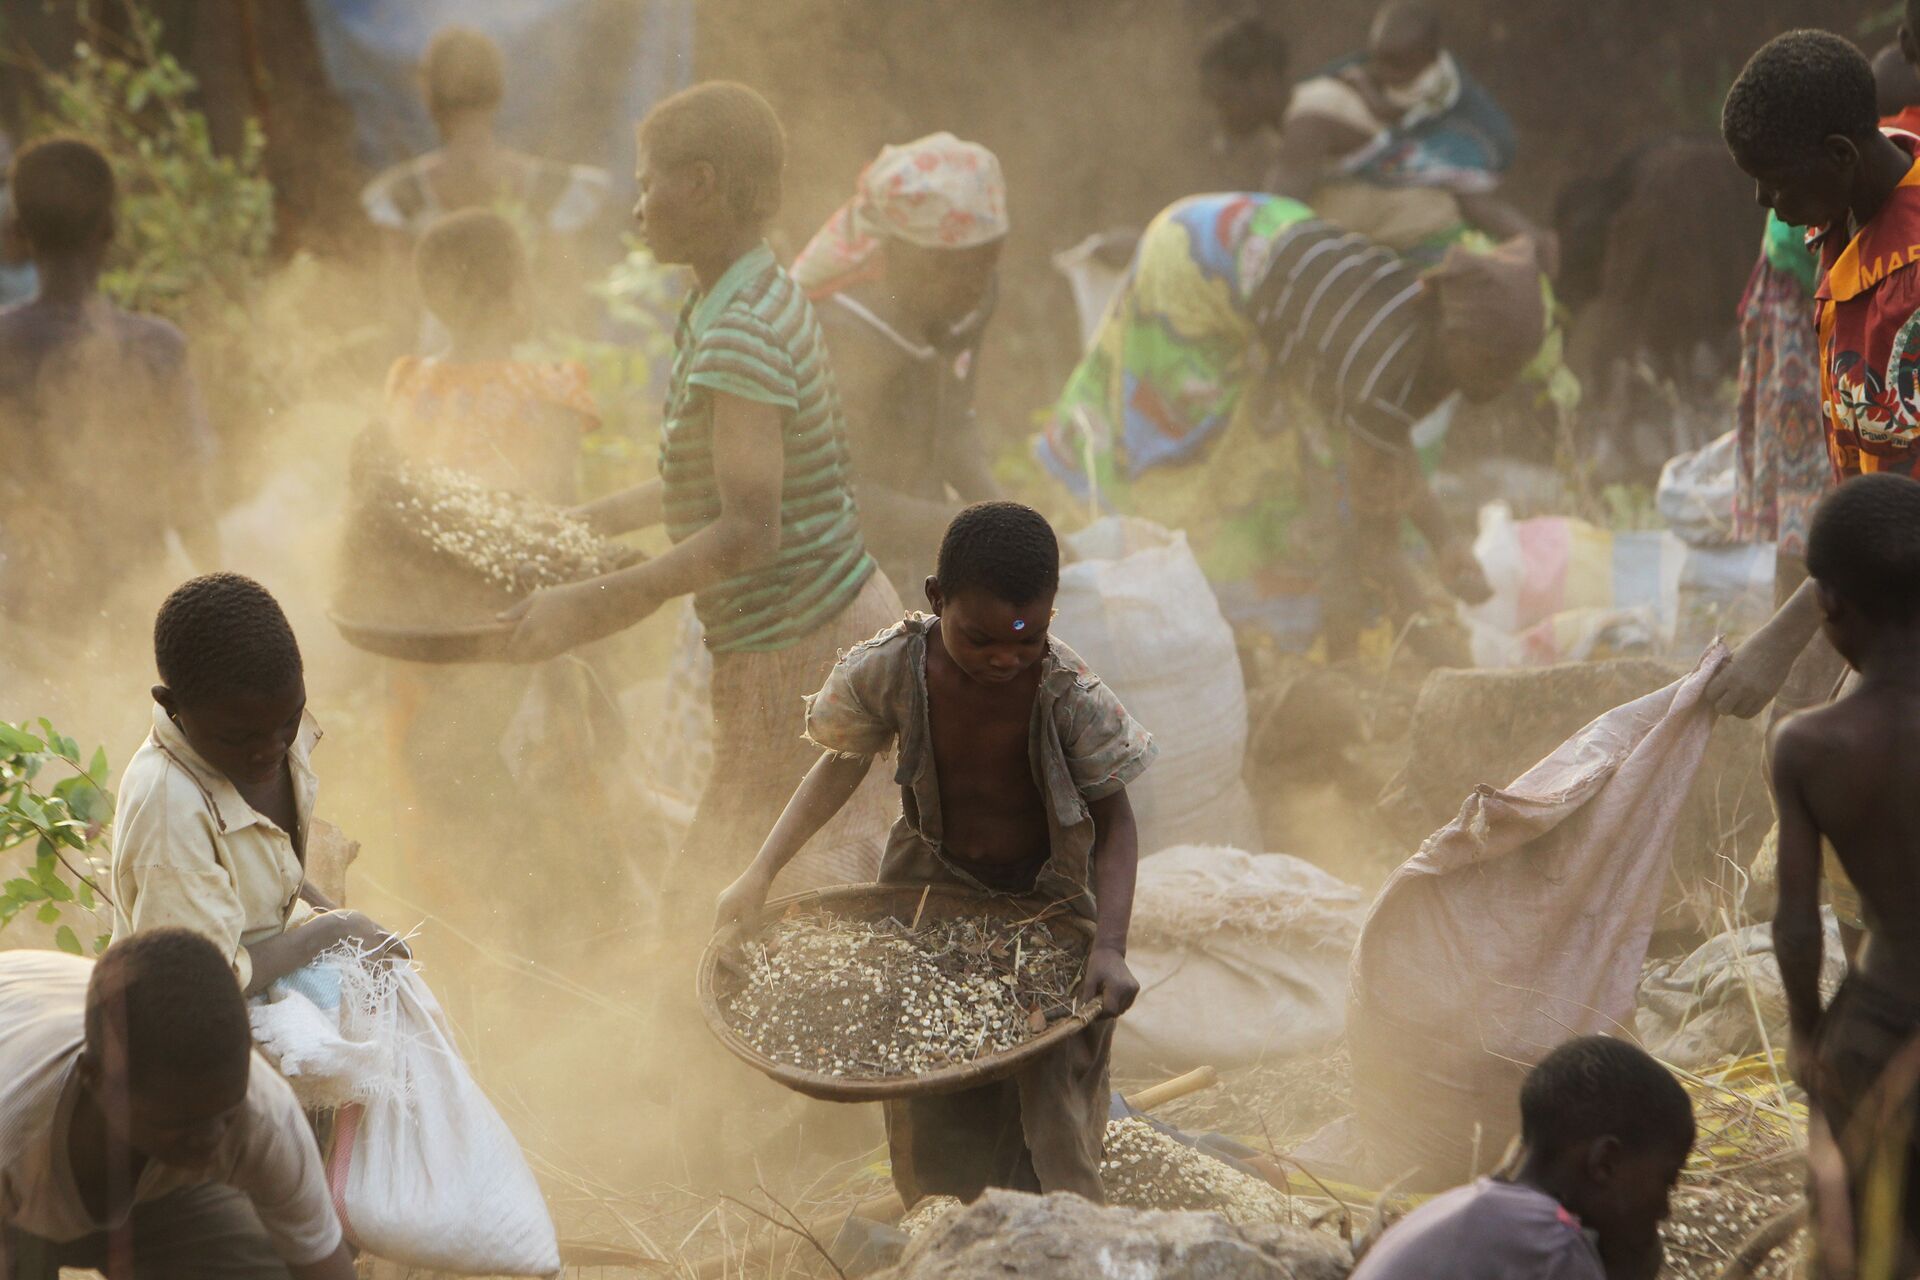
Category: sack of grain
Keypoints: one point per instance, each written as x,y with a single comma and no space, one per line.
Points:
1242,958
422,1169
1134,603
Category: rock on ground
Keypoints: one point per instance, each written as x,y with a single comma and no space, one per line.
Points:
1009,1234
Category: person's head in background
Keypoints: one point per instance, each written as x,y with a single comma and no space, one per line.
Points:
1802,121
230,675
1243,76
1896,83
993,588
926,226
473,275
1863,553
1403,49
711,170
1606,1130
463,78
168,1050
61,207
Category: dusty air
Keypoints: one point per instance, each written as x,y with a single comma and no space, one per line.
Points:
1101,640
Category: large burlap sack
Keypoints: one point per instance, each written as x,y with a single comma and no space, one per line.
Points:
1242,958
422,1169
1134,603
1520,924
1471,727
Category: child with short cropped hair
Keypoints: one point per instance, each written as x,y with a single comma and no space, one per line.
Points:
755,491
1015,761
1802,120
98,409
508,423
1606,1130
143,1135
216,806
1845,772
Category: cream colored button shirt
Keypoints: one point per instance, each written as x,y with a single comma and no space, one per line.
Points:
189,851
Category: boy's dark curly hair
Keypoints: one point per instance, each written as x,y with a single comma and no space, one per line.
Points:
224,633
1800,89
1003,548
1596,1087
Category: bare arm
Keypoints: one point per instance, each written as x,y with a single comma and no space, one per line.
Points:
336,1266
821,794
1752,678
640,507
748,462
1116,863
967,466
1798,939
316,899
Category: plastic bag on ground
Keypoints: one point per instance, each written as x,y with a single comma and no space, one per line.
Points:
1520,924
422,1169
1712,1004
1241,957
1134,603
1566,591
1695,494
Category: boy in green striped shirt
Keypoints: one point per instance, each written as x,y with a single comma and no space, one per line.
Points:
755,492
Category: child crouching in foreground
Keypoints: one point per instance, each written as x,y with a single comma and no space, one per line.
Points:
1014,764
1606,1131
1845,772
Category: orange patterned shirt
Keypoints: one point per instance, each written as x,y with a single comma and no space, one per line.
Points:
510,424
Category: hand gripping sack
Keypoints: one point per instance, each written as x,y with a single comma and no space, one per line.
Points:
1521,924
423,1171
1134,603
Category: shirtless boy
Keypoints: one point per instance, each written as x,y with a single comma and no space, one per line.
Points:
1844,771
1015,761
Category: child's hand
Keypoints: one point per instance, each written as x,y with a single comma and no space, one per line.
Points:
1109,981
740,903
1803,1064
736,912
354,927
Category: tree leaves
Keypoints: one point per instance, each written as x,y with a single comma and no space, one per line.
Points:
64,823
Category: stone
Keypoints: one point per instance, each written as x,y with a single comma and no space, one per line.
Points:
1005,1235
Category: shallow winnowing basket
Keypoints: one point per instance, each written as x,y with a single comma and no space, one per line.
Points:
911,904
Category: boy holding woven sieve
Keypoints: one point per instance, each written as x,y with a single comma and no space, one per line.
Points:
1013,763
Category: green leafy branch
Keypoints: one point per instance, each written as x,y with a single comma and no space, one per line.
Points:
65,823
195,226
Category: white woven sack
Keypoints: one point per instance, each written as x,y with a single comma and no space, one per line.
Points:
1134,603
428,1175
1242,959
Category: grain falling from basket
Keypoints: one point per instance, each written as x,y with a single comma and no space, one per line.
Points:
880,999
515,542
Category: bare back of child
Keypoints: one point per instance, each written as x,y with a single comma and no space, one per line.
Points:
1846,772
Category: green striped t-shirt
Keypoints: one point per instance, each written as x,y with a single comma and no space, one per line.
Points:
754,335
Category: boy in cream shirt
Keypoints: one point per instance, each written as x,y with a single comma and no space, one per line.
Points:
215,807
